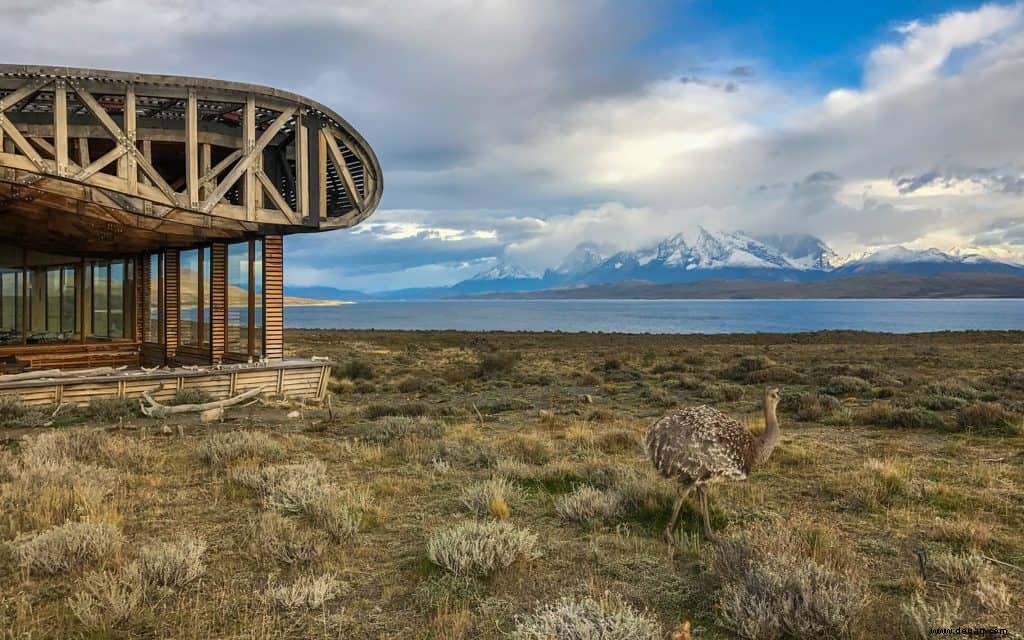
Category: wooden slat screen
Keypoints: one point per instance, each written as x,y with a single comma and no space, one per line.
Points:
273,297
141,297
171,302
218,301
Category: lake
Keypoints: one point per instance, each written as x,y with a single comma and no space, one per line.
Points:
668,316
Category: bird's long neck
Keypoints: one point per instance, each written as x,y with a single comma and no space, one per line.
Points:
766,441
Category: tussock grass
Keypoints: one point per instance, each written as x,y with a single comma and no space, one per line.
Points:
15,413
588,619
68,546
480,548
925,616
988,416
224,448
108,599
191,395
767,593
847,386
281,539
113,409
172,563
589,506
308,591
490,497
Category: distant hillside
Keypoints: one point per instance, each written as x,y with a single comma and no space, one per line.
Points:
876,285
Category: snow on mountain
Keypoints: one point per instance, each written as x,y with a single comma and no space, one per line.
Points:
584,257
900,259
803,250
503,271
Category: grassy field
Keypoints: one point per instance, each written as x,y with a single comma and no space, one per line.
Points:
492,485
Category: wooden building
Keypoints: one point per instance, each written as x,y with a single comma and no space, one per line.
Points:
141,216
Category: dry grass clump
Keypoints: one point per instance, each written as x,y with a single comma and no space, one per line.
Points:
303,488
305,592
847,386
282,540
531,449
61,447
224,448
746,365
67,546
109,598
925,616
490,497
993,596
588,619
988,415
951,388
49,493
962,568
589,506
768,591
358,370
479,548
391,428
172,564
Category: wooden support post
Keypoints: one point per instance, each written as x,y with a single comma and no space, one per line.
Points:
60,126
131,166
147,153
321,175
172,303
83,152
192,148
249,131
273,298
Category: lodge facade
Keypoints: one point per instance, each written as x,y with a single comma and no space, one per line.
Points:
142,217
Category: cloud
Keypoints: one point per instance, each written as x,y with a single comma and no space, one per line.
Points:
517,129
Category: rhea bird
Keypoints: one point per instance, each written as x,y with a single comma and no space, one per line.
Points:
697,446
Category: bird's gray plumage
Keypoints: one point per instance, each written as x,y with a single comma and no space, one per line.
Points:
697,445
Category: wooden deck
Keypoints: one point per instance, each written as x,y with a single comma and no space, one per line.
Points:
298,379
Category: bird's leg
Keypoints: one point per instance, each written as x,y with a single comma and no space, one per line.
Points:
702,493
676,506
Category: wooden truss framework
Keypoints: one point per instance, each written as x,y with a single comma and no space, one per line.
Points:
327,176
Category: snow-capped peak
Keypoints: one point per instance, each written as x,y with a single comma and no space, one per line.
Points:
584,257
904,255
503,271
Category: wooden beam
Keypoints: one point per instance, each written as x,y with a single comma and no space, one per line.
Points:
249,141
245,163
87,172
108,123
301,166
342,168
60,126
21,143
131,167
211,174
83,152
205,162
21,93
192,148
321,175
275,196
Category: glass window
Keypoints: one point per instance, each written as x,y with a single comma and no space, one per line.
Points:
67,300
154,325
238,298
11,305
117,291
100,300
188,296
53,291
257,284
206,298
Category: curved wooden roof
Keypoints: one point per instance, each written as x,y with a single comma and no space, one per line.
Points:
132,162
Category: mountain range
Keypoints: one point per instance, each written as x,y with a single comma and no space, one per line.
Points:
718,256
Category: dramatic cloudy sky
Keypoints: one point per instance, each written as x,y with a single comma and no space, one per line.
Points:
515,129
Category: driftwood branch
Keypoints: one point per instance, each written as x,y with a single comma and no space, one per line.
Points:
57,373
151,408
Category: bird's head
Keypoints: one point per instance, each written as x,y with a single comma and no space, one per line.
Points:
771,397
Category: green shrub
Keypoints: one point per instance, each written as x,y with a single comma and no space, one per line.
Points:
497,363
406,409
847,385
588,619
224,448
902,417
443,589
722,392
952,388
589,506
191,395
15,413
480,547
358,370
112,409
808,407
